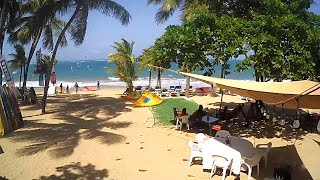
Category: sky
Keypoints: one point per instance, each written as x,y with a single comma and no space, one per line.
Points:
103,31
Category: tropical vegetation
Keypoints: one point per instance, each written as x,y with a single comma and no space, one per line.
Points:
279,39
19,60
27,22
126,67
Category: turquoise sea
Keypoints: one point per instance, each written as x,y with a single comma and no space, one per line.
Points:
88,72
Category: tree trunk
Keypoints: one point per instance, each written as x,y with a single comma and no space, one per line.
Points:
159,78
222,71
256,75
2,32
31,52
130,86
2,23
48,73
187,84
20,75
150,78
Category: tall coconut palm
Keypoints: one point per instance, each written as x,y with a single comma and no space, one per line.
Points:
19,59
9,12
33,26
78,22
125,63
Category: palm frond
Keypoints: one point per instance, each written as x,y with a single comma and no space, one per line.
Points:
80,26
111,8
154,2
47,38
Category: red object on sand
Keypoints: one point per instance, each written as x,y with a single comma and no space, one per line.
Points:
216,127
204,90
89,88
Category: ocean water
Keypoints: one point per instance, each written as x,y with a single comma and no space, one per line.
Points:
88,72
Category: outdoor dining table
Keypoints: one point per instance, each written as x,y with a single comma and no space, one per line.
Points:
236,150
209,120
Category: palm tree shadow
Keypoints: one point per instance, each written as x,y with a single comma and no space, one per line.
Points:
76,171
87,117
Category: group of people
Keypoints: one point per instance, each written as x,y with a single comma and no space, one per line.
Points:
76,86
195,119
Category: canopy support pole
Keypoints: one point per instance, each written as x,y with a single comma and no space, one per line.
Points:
149,79
221,98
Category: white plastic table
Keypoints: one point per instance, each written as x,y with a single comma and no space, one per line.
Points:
217,146
209,119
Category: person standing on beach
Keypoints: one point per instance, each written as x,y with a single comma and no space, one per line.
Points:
61,88
98,85
77,87
67,89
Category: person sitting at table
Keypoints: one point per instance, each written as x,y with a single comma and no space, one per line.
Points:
195,120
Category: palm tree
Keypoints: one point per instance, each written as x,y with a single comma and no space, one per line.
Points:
19,59
9,12
42,67
168,7
125,63
78,22
32,27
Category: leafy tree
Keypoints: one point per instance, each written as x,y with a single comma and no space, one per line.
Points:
125,62
78,22
19,59
283,42
237,8
181,45
151,60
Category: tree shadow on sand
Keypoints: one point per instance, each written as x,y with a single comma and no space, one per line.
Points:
76,171
77,117
265,128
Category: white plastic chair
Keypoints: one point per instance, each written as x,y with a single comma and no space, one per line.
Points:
222,134
252,162
248,166
195,152
221,162
264,150
201,138
183,120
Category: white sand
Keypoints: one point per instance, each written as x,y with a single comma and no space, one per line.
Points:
101,136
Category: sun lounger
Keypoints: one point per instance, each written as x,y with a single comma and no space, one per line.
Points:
138,88
171,88
203,91
165,92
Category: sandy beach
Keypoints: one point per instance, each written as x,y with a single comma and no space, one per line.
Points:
98,135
